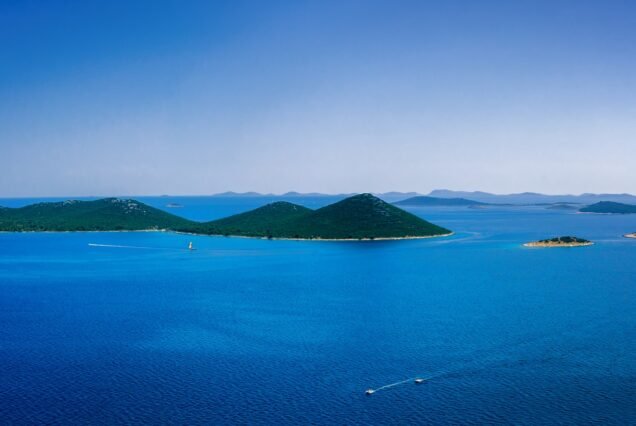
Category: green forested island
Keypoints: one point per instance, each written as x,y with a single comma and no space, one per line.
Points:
560,242
108,214
609,207
359,217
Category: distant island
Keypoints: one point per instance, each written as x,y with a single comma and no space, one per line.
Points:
562,206
386,196
426,201
609,207
533,198
632,235
560,242
360,217
486,198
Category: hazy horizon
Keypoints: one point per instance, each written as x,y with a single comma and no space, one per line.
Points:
308,193
197,98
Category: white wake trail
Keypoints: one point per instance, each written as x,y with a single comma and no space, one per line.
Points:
131,247
394,384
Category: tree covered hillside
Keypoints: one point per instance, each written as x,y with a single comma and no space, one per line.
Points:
109,214
359,217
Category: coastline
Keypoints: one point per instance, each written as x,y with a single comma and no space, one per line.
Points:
85,232
239,236
552,245
319,239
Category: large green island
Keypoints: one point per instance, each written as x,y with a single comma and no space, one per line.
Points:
361,217
560,242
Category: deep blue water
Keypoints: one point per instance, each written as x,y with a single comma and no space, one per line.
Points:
249,331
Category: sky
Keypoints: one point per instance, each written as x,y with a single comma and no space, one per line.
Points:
190,98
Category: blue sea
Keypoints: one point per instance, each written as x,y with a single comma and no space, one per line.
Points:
132,328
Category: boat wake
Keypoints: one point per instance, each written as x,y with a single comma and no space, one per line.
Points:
132,247
393,384
416,380
495,356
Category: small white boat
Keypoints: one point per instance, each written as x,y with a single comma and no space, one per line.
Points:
419,381
369,392
190,246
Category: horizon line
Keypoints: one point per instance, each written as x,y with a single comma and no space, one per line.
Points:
314,193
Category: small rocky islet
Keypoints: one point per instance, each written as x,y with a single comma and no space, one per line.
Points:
566,241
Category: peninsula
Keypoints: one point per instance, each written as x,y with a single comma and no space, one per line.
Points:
609,207
560,242
360,217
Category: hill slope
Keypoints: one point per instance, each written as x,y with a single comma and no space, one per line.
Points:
609,207
426,201
269,220
109,214
365,216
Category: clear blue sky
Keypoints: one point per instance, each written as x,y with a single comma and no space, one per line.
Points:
134,97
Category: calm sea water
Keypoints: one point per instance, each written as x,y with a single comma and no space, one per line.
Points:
246,331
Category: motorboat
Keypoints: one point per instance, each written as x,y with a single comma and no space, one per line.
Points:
419,380
369,392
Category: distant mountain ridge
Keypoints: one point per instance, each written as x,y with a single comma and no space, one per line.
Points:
474,196
240,194
424,200
533,197
386,196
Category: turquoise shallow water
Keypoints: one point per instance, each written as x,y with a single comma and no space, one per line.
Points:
284,332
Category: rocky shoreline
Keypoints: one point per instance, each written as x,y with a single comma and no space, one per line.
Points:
560,242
